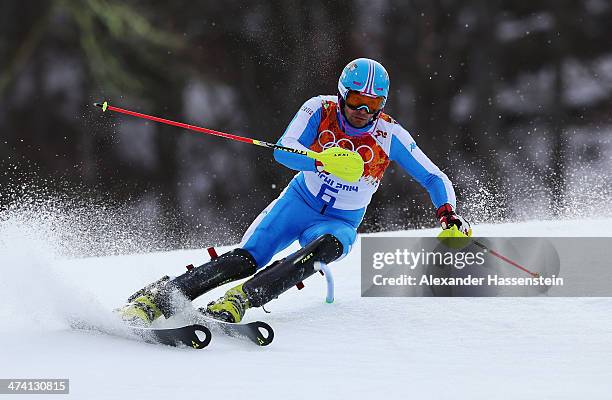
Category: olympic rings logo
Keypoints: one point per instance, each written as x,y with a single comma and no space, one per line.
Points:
329,139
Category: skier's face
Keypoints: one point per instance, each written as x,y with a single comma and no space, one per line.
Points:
357,118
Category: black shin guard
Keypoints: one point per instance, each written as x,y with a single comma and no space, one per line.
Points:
231,266
282,275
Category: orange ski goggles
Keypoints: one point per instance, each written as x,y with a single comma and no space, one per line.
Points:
356,101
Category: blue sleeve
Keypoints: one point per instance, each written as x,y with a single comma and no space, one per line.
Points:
406,153
300,134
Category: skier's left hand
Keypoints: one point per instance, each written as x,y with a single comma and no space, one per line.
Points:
447,217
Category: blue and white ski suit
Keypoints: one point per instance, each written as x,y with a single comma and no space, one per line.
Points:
316,203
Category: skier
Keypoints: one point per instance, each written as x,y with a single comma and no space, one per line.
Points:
320,207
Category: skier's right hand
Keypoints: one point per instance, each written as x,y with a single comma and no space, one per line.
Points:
344,164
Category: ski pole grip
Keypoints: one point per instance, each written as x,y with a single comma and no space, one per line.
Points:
319,266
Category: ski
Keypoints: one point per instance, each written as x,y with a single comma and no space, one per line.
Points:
177,337
184,335
257,332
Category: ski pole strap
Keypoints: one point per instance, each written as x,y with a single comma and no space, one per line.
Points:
319,266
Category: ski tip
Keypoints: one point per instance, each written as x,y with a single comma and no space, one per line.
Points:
264,334
103,105
196,341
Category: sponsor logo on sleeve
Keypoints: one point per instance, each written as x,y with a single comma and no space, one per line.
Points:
307,110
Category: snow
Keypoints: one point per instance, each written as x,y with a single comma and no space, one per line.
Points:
455,348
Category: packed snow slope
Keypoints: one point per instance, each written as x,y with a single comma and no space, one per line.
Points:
392,348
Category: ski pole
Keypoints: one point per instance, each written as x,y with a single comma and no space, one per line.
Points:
506,259
105,106
352,167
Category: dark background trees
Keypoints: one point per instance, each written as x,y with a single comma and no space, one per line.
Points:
511,98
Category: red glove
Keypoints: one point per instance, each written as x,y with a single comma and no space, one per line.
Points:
447,217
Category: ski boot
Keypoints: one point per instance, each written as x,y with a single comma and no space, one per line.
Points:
140,312
229,308
141,309
168,296
274,280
